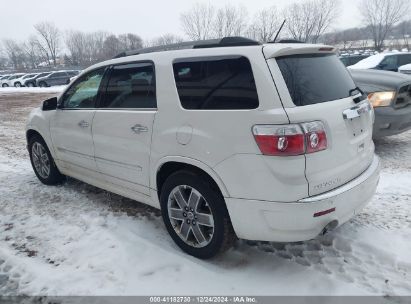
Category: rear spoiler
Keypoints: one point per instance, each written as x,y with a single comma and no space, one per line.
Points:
277,50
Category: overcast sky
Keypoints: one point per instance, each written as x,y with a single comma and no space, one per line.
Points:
149,18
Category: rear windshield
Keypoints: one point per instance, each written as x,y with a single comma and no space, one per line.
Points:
315,78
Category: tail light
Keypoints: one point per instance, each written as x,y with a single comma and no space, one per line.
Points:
291,139
315,136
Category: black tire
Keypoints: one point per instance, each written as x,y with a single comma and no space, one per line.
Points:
5,85
30,84
42,84
223,235
17,85
54,177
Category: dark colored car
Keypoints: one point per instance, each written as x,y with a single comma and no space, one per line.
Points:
31,81
390,95
53,79
352,59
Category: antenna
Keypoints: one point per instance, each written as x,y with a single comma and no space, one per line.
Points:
279,30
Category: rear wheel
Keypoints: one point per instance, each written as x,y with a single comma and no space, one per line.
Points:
42,162
5,85
195,215
17,84
30,84
42,84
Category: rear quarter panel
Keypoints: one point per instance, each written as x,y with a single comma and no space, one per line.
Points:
212,137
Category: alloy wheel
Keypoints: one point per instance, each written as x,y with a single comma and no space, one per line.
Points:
41,160
191,216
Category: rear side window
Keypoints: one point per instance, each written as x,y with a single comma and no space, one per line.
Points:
404,59
389,63
131,86
216,83
315,78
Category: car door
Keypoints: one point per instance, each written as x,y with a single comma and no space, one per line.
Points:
122,126
70,127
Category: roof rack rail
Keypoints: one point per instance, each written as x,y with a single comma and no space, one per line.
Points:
200,44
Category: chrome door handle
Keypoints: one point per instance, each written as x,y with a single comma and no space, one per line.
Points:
139,129
83,124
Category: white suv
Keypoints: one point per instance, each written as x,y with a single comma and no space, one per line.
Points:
228,137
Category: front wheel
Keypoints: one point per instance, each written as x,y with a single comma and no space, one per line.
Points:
195,215
42,162
30,84
17,84
42,84
5,85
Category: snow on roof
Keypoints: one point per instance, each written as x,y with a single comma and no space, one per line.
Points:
368,63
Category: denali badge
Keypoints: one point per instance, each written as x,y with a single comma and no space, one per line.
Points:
327,184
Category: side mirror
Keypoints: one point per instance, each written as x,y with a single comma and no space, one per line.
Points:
381,66
50,104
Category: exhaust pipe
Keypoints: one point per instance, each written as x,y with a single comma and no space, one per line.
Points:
330,226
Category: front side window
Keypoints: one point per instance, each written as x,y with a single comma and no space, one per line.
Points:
131,86
83,93
315,78
216,83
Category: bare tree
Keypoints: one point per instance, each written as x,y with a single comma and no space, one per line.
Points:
31,51
165,39
95,46
13,52
326,12
308,20
265,25
76,43
130,42
111,46
49,38
197,23
381,15
230,21
405,33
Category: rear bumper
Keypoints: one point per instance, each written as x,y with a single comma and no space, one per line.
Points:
291,222
390,121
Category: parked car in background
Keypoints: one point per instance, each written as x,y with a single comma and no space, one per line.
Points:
9,82
390,95
53,79
352,59
383,61
31,81
299,162
19,82
405,69
3,78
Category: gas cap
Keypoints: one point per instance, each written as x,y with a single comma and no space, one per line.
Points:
184,134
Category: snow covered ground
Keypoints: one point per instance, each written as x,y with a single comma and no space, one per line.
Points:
55,89
75,239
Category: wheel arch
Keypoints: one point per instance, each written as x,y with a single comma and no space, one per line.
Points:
32,131
169,165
